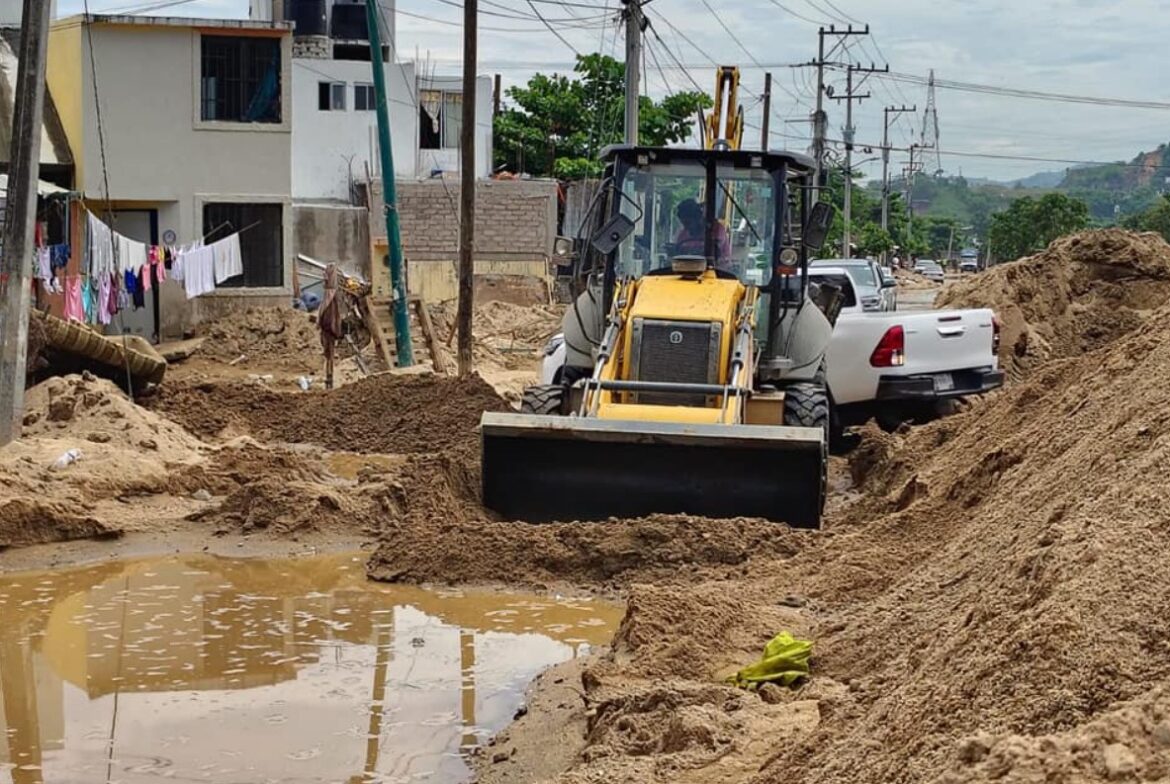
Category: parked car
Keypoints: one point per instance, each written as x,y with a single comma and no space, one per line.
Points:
889,287
873,293
931,271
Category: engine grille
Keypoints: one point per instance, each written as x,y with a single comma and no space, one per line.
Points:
685,352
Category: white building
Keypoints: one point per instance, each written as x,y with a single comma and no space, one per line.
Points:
335,141
194,142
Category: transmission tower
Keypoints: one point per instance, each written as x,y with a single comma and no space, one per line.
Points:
929,138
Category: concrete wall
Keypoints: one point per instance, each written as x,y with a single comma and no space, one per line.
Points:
514,231
334,233
447,160
514,219
330,146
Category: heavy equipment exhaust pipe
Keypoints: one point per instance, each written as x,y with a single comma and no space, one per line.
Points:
554,468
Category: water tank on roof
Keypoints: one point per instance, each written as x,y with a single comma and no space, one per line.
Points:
349,22
308,15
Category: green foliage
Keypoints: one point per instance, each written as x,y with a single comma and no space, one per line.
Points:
1029,224
557,125
1155,218
873,240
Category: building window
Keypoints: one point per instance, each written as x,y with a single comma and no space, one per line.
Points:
261,229
240,79
363,98
331,96
440,119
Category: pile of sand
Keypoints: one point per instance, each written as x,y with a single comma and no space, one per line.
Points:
383,413
270,337
1084,291
910,280
507,336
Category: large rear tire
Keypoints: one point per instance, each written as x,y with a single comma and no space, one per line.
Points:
807,405
545,399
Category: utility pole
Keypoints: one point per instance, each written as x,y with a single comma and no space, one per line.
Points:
889,111
496,97
767,112
404,350
634,27
850,132
910,172
819,118
467,190
20,214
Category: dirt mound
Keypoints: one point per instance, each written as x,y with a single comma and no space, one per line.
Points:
443,535
90,409
383,413
272,337
1083,292
909,280
276,505
507,336
25,521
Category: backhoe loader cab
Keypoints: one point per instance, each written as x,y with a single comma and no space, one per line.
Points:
694,372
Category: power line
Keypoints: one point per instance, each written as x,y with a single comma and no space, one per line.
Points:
789,11
747,51
552,29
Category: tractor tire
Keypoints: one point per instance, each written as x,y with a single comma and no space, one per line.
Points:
544,399
807,405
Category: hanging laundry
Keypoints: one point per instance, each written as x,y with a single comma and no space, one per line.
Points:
140,288
112,305
102,307
130,281
228,262
44,268
87,300
199,271
74,310
100,247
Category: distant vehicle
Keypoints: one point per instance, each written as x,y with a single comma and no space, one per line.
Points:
969,253
930,270
874,294
968,265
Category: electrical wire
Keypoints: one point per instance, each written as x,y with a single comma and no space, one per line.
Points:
552,29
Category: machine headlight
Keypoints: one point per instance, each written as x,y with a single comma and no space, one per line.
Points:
789,257
554,343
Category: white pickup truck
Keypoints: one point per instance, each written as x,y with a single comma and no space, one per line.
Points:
892,367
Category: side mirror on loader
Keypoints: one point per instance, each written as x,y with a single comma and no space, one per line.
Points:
609,236
816,227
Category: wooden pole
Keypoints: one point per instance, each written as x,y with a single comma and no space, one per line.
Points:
467,191
20,214
496,97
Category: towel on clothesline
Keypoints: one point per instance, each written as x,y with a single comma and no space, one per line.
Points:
228,263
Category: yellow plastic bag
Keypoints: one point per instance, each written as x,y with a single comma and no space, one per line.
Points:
785,661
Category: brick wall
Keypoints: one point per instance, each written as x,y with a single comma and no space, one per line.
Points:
515,219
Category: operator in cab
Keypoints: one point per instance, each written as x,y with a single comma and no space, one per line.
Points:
691,239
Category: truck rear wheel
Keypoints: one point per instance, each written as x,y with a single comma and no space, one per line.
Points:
545,399
807,405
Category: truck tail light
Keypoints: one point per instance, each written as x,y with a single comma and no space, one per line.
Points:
891,349
995,335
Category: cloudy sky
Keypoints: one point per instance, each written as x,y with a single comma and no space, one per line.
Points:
1112,49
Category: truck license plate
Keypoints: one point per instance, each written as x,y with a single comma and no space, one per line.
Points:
944,382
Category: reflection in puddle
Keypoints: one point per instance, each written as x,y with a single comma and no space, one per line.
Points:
218,670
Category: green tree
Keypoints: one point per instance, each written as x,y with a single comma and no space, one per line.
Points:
1029,224
873,240
1156,218
556,125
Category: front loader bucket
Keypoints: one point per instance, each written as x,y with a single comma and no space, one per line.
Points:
546,468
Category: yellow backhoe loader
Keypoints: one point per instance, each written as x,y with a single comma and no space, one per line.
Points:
693,379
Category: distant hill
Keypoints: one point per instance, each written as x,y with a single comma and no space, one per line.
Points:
1116,190
1046,180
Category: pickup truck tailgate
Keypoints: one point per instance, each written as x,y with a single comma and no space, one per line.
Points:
943,353
949,340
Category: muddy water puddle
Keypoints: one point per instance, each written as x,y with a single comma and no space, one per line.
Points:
196,668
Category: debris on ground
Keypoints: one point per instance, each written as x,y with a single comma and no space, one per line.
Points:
273,336
986,601
382,413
